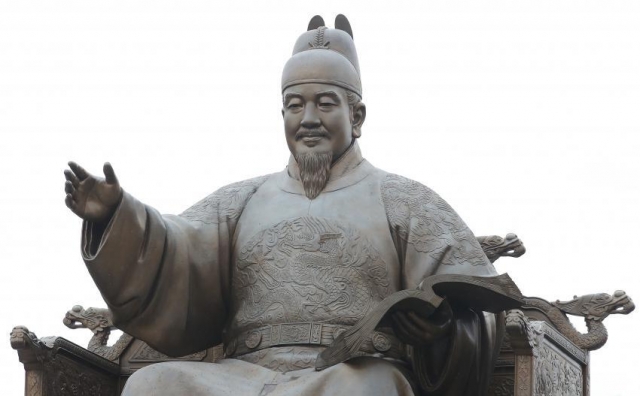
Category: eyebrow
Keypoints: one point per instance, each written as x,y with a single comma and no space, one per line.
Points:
289,96
332,94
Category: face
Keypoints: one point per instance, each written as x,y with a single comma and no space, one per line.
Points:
318,118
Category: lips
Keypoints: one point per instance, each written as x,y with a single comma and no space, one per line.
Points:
311,136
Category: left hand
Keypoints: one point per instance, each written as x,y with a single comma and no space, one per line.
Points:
417,330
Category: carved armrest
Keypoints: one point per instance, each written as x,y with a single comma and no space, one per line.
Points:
56,366
543,354
594,308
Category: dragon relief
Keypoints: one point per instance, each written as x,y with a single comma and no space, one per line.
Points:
307,269
593,307
99,321
495,246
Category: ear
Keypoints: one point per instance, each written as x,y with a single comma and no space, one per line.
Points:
315,23
359,113
342,23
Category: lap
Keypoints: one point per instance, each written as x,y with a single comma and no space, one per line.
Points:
359,376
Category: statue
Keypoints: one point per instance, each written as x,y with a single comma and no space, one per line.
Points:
278,267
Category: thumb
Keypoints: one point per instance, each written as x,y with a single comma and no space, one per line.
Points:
109,174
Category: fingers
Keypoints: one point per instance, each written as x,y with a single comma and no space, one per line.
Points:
71,204
70,176
416,329
71,184
78,170
409,324
423,325
68,187
405,330
109,174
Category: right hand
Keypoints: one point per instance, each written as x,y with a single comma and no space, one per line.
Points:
90,197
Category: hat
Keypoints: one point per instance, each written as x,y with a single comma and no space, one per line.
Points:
323,55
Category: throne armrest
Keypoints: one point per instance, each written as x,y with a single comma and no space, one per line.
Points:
54,365
542,353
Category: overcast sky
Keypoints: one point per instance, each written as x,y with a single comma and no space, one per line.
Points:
522,115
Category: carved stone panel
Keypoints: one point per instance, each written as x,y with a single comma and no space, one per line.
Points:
64,377
501,386
556,373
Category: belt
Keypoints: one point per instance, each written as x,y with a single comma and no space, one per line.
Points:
308,333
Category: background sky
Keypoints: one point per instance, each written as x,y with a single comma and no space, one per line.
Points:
522,115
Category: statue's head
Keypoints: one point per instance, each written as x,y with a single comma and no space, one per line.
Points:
321,92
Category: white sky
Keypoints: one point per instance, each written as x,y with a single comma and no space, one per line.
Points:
522,115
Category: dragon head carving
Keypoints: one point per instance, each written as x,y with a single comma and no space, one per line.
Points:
597,306
495,246
95,319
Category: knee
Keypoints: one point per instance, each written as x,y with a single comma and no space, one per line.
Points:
156,379
378,376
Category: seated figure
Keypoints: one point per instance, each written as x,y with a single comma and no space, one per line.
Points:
276,267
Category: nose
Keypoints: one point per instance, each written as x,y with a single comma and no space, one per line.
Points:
310,118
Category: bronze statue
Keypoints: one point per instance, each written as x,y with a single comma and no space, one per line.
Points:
278,267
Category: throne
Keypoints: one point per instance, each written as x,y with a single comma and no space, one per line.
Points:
541,353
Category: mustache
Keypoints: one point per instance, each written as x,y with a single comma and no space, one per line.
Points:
303,133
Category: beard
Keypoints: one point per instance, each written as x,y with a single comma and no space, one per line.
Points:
314,171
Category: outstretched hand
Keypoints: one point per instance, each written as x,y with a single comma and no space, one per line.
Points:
90,197
418,330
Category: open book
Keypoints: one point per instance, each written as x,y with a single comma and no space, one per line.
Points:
491,294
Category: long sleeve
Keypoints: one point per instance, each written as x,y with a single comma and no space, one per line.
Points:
431,239
429,236
166,279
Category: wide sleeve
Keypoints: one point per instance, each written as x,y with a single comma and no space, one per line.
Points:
428,234
166,278
431,239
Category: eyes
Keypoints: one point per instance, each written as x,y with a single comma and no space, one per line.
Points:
294,104
324,103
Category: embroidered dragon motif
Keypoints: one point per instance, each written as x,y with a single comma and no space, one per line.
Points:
307,269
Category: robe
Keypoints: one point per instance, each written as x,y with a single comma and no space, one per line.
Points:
275,276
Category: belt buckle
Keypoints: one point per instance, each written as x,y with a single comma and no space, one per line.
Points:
316,333
295,333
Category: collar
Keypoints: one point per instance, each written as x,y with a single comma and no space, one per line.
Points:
349,169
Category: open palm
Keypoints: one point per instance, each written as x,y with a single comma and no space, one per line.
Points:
90,197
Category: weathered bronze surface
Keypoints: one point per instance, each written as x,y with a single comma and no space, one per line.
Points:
278,267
